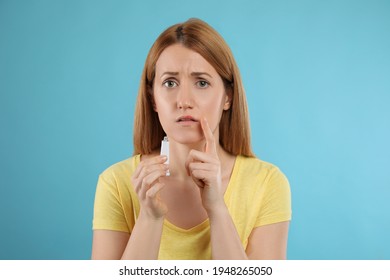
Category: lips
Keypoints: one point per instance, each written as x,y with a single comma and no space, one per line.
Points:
186,119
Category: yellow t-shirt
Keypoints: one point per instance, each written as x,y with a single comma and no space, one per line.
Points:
258,194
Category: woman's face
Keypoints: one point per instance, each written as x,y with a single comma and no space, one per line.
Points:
186,88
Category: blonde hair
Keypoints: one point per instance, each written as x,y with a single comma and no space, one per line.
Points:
197,35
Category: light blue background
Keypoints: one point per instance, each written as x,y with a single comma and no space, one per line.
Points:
317,77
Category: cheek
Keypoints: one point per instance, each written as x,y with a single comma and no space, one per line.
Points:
214,105
163,108
159,103
212,110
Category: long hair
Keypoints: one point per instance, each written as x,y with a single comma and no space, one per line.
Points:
197,35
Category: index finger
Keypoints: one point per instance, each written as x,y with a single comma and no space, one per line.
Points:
209,136
150,161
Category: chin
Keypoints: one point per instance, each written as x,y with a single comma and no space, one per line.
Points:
186,138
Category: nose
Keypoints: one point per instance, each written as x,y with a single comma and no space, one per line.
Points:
184,98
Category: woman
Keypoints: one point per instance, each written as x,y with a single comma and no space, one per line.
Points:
214,200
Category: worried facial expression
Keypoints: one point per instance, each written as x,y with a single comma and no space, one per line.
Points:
186,88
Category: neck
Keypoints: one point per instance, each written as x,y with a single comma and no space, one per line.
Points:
179,154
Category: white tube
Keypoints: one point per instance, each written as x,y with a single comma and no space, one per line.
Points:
165,151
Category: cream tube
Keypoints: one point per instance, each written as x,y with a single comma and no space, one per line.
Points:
165,151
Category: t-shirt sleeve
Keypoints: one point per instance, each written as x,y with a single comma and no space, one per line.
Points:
276,202
108,209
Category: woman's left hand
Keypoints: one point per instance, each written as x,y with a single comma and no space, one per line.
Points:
205,169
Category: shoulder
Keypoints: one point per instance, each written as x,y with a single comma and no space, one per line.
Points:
264,190
121,170
271,188
252,166
260,175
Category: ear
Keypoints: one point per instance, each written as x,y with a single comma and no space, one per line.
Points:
228,99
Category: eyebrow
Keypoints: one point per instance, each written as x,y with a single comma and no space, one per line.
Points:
196,74
200,74
170,74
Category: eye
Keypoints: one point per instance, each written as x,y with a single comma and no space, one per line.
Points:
202,84
170,84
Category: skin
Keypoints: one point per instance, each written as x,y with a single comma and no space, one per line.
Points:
189,97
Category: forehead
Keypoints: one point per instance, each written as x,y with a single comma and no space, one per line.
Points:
178,58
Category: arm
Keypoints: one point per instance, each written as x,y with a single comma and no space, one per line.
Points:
144,241
225,241
265,242
268,242
205,170
108,244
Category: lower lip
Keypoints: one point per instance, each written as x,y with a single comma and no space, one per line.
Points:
187,123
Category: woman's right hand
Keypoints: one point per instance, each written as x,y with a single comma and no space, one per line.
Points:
147,186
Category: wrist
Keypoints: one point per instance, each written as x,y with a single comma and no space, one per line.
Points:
217,210
149,218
